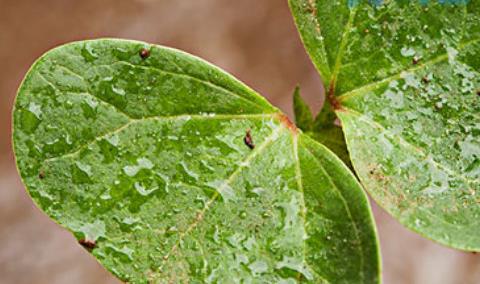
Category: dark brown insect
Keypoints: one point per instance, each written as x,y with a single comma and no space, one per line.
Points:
478,93
425,80
248,140
41,175
415,60
87,244
144,53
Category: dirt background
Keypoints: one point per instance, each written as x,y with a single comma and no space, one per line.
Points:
253,39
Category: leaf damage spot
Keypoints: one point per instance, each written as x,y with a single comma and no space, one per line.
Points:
415,60
144,53
312,9
87,244
249,140
377,174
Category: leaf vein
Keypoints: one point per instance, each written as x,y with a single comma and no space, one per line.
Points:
373,86
342,47
187,76
86,92
345,204
158,118
231,178
406,143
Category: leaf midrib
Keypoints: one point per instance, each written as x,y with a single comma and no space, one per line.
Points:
132,120
373,86
299,180
184,117
345,203
341,50
185,75
200,215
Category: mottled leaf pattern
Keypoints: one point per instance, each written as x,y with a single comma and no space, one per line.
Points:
171,171
404,79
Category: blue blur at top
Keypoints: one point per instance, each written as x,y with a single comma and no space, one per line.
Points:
376,3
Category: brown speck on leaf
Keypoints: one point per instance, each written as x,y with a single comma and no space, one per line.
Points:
249,140
425,80
144,53
478,93
311,8
87,244
415,60
199,216
367,31
41,175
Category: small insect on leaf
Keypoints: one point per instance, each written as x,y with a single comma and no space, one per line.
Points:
144,53
41,175
87,244
248,140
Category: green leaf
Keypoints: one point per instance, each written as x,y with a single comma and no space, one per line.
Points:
303,115
171,171
326,118
332,137
323,129
327,132
404,80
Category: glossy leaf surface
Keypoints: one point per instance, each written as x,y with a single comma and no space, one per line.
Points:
404,79
171,171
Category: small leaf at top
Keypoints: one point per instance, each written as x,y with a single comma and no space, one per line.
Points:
168,170
303,115
332,137
326,131
403,77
